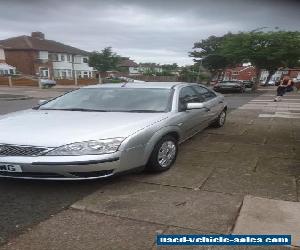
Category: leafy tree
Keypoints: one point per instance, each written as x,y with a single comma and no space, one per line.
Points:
207,54
169,67
192,74
104,61
265,50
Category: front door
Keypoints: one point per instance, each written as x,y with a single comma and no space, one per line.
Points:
44,72
191,120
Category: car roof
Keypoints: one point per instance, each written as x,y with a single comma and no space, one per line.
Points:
162,85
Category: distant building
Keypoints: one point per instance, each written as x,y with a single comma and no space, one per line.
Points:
150,68
240,73
35,55
5,69
293,73
128,66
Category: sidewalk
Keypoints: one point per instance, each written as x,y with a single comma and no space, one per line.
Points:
242,178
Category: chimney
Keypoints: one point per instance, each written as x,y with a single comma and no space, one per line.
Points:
38,35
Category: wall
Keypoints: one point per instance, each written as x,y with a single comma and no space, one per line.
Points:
2,55
22,60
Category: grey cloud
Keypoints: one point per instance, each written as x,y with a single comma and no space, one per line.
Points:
160,31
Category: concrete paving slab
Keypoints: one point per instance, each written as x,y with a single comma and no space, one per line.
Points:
235,181
207,146
216,159
204,211
267,151
78,230
266,216
180,175
237,139
228,129
279,166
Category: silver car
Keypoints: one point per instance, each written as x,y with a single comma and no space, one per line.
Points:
99,131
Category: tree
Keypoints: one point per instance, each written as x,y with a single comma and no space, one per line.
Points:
265,50
104,61
169,67
207,54
192,74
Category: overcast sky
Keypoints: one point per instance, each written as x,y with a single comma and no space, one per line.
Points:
161,31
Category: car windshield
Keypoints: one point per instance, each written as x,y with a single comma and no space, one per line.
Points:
113,100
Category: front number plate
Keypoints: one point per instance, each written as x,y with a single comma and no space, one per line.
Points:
10,168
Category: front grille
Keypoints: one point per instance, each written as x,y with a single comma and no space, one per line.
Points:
31,175
12,150
99,174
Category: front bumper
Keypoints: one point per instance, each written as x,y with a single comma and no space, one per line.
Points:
63,167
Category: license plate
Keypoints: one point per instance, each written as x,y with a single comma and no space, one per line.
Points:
10,168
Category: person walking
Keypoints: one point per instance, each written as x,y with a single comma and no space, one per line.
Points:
286,85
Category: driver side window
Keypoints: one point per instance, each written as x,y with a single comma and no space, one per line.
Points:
188,95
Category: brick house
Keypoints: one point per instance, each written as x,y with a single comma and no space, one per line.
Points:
240,73
5,69
37,56
128,66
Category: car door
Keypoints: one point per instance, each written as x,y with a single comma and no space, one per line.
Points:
212,102
190,120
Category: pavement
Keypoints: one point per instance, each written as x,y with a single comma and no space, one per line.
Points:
242,178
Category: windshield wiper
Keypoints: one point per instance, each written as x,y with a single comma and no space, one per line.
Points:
78,109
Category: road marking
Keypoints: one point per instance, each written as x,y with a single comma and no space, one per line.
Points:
287,115
287,108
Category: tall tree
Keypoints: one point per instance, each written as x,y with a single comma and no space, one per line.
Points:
265,50
206,53
104,60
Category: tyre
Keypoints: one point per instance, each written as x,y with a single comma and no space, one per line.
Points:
220,120
163,155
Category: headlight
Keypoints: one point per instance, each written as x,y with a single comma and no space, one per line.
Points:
98,147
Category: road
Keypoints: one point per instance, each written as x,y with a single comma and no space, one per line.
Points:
26,203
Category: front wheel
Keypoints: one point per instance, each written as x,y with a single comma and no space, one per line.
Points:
163,155
220,120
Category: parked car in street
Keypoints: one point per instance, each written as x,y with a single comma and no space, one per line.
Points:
99,131
47,83
229,86
248,84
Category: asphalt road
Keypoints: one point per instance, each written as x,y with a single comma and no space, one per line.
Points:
26,203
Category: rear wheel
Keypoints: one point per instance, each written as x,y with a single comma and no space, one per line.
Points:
163,155
220,120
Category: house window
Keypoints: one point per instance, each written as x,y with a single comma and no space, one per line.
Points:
85,60
235,73
63,58
86,74
69,58
43,55
54,57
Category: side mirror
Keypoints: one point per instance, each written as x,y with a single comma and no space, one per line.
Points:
41,102
196,105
